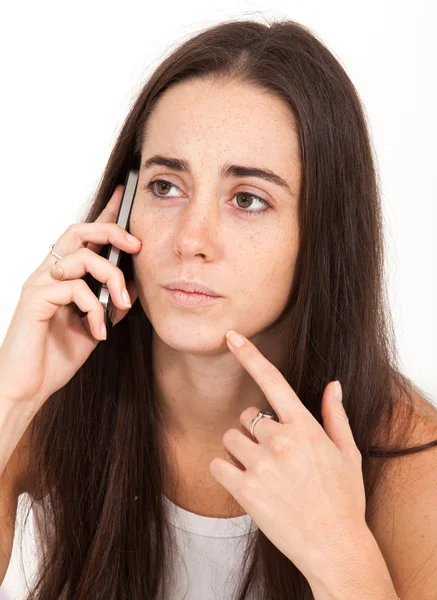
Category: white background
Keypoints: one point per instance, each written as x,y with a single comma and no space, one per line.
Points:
71,71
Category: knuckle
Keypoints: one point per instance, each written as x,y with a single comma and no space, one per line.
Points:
249,488
84,253
356,454
229,436
114,232
74,232
281,444
247,413
81,285
99,308
263,466
316,436
118,229
27,290
112,209
120,274
72,229
115,275
26,285
342,416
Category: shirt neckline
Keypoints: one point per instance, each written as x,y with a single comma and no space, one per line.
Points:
207,526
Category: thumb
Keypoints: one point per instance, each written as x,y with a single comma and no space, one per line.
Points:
335,419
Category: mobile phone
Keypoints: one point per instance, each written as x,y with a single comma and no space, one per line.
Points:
112,253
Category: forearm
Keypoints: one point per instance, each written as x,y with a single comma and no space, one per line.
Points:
14,420
361,574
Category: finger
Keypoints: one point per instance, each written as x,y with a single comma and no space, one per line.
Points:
108,214
121,313
229,476
280,395
264,428
61,293
242,448
76,237
335,419
83,261
94,235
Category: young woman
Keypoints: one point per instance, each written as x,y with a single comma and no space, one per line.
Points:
148,459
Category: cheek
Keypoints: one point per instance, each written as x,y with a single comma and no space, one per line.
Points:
263,275
140,221
145,228
269,258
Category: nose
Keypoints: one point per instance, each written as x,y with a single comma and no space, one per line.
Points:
198,229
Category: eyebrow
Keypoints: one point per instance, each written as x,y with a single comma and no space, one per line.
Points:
228,170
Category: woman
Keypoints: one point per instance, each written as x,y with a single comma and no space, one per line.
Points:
256,179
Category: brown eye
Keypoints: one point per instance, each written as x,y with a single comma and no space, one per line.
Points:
161,189
162,186
246,199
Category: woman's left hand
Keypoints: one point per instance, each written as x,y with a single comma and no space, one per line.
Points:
302,484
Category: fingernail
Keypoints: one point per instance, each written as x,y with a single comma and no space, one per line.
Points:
234,339
126,298
133,239
103,331
338,391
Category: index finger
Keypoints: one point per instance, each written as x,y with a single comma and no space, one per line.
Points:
279,393
109,213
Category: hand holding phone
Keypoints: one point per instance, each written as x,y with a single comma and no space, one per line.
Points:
112,253
46,333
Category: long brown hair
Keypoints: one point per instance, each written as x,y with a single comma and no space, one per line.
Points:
96,444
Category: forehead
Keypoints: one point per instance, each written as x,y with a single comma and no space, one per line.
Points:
213,116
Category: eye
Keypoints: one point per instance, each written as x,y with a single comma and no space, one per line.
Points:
245,196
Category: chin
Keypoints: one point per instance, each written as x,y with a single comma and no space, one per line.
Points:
185,336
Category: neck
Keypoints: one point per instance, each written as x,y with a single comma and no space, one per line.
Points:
202,391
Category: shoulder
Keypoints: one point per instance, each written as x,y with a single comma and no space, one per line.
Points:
404,522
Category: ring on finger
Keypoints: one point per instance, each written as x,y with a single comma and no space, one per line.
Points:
268,414
56,271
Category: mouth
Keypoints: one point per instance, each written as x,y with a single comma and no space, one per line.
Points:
191,299
192,287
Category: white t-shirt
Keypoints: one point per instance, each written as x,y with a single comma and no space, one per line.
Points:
14,586
208,564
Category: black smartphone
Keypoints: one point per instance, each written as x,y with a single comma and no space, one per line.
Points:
114,254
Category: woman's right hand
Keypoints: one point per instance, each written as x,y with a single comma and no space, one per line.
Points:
47,341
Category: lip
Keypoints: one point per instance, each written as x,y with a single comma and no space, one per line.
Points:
191,299
192,287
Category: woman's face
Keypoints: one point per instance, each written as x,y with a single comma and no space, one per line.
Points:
211,227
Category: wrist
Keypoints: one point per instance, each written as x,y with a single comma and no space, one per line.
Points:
358,571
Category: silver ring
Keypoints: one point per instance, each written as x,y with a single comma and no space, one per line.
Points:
268,414
54,253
